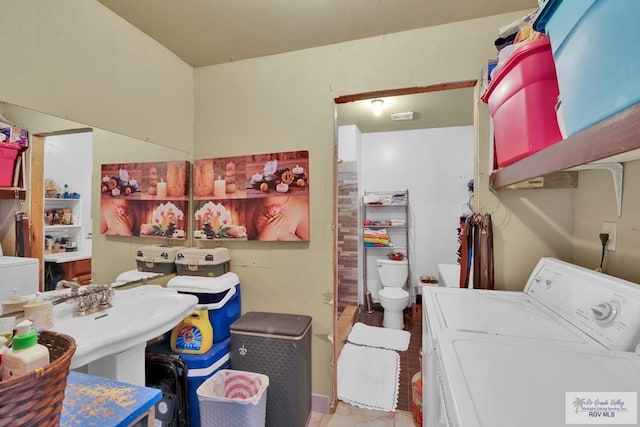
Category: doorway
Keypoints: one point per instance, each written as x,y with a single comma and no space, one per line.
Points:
61,204
447,105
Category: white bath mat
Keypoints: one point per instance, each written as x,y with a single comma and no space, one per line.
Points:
373,336
369,377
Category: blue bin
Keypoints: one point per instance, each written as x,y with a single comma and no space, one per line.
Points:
594,49
220,295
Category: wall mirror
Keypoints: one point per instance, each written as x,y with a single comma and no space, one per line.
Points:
109,255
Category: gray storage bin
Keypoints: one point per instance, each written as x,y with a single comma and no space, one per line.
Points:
233,398
157,258
203,262
279,346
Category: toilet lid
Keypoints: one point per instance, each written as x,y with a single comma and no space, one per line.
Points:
393,293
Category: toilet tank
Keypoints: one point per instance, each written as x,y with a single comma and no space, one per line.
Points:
393,273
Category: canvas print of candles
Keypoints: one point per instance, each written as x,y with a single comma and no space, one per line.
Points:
145,199
255,197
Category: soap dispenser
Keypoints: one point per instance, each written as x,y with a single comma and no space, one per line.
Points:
26,355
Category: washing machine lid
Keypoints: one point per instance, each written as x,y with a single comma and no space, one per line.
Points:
494,381
506,313
14,261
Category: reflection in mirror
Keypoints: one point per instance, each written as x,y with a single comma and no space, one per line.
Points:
429,153
109,255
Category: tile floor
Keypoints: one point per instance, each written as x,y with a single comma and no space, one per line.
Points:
351,416
347,415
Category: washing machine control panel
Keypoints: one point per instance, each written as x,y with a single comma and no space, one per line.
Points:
604,307
606,312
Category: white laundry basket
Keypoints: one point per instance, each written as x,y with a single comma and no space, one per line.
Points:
233,398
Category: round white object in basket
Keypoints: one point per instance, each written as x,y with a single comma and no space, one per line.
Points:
394,301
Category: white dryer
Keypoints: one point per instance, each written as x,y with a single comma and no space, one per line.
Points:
562,304
494,381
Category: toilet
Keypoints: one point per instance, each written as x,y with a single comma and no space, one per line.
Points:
392,296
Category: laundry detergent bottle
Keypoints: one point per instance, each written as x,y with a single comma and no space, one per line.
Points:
194,335
26,355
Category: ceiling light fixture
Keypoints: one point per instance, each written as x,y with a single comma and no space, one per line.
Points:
406,115
377,107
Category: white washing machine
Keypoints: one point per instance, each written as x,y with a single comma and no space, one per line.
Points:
19,274
561,305
495,381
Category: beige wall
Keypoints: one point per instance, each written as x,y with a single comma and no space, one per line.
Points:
285,102
77,60
594,202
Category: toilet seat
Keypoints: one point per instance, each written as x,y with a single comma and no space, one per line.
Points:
393,293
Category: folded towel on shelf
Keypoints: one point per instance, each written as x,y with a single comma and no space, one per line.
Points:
381,242
380,237
371,199
372,232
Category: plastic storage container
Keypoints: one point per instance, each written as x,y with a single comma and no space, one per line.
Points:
277,345
203,262
157,258
200,367
8,154
522,98
233,398
220,295
594,47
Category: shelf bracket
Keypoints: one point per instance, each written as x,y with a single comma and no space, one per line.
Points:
616,170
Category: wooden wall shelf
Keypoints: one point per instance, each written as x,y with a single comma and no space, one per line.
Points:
10,193
616,135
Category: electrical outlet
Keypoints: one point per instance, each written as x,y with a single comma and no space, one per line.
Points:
610,229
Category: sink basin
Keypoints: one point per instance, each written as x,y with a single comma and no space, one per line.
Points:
138,315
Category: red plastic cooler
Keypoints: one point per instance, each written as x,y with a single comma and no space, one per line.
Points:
522,98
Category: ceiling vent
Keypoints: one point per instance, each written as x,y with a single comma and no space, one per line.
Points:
407,115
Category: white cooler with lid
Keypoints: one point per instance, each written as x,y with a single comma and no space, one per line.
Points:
221,296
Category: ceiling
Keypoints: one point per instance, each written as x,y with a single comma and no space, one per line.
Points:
208,32
430,110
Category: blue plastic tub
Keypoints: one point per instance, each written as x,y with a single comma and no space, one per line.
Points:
594,44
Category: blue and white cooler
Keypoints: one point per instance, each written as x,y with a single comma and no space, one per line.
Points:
220,295
200,367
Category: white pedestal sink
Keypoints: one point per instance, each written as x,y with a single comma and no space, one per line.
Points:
111,343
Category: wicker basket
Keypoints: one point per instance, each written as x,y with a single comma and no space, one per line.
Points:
36,399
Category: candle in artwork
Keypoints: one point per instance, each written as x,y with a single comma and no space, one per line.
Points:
219,187
162,190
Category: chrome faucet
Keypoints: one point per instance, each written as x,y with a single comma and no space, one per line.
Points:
73,285
90,298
